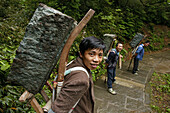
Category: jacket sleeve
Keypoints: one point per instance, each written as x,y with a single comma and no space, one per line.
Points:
73,89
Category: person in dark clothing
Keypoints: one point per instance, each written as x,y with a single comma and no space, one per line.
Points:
78,87
111,66
139,56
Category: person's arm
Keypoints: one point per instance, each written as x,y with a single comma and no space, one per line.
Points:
73,89
120,61
138,50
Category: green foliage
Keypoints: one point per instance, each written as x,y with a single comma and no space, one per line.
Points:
7,56
9,102
157,40
160,90
99,71
121,17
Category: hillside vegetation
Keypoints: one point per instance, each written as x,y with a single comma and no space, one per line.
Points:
121,17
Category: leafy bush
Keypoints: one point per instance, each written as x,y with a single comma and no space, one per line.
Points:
121,17
160,89
9,102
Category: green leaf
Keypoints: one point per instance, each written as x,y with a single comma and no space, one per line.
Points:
118,10
168,110
5,66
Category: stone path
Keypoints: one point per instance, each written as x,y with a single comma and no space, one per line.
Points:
132,90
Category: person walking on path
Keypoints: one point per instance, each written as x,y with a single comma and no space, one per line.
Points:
138,56
77,89
111,66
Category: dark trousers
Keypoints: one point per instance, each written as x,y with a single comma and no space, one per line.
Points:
111,73
136,64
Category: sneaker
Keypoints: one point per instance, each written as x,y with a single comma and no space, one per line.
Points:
135,73
137,70
112,91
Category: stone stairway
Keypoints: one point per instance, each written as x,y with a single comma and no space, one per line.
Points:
132,90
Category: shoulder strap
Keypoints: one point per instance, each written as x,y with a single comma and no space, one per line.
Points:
65,74
134,50
79,68
60,84
76,69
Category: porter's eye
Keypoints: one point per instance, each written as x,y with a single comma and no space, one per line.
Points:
100,55
91,54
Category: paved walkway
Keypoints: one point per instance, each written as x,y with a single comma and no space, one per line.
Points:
132,90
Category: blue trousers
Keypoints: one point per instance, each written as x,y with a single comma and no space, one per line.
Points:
111,73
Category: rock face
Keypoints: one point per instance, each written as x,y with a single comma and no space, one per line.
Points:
39,51
136,40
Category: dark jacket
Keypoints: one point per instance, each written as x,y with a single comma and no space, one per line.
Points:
112,59
76,86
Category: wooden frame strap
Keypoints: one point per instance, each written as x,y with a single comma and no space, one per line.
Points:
27,95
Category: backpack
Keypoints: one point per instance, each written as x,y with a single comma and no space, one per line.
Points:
47,108
113,60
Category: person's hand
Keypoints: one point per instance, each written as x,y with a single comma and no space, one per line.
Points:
145,36
106,64
121,56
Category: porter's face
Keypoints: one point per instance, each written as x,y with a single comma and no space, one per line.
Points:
92,58
119,47
146,44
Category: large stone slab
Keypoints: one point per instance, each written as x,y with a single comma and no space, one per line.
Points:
39,51
108,40
136,40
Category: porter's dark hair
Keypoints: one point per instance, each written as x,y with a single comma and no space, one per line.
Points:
91,43
147,41
118,44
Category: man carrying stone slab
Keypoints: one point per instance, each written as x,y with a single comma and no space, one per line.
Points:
47,33
139,56
111,66
77,89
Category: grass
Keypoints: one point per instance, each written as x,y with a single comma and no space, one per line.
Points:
160,93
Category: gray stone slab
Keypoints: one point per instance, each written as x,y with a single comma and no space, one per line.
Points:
164,54
133,103
107,41
163,66
100,105
136,40
136,93
118,100
39,51
144,109
129,76
113,108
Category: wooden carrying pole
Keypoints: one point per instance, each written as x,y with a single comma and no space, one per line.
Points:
73,35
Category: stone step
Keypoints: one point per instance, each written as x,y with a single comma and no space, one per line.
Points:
126,83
